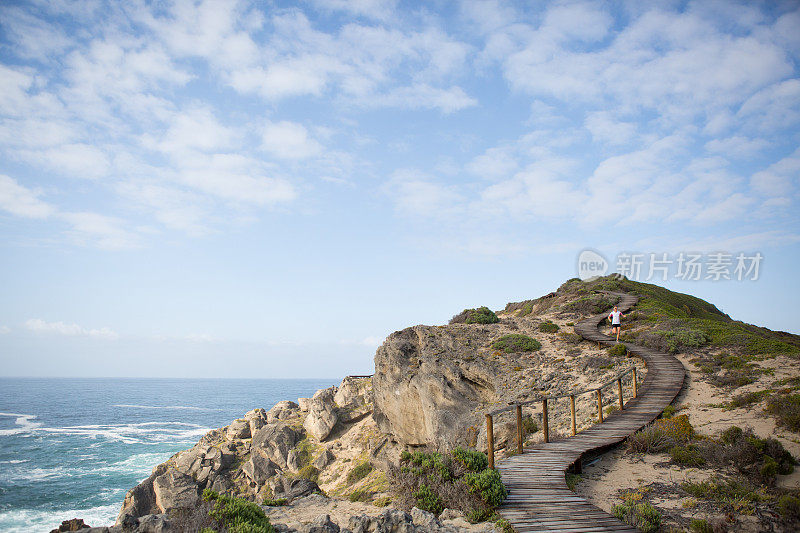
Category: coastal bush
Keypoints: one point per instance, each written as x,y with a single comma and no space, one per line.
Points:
516,343
309,472
759,460
662,435
237,515
789,507
640,515
733,495
504,525
571,338
480,315
591,304
548,327
669,411
746,399
359,472
699,525
458,479
786,409
529,425
688,455
573,480
618,350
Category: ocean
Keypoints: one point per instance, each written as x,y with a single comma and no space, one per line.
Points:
73,447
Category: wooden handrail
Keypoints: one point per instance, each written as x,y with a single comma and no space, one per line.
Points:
545,414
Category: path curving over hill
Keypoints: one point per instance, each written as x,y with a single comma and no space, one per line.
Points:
539,499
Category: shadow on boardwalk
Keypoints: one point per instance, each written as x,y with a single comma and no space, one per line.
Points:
539,499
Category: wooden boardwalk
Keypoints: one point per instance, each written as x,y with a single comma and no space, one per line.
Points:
539,499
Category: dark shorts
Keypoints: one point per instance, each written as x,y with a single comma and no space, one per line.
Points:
615,326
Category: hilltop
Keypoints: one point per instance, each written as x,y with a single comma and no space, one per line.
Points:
338,452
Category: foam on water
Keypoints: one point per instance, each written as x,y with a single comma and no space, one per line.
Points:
66,455
27,520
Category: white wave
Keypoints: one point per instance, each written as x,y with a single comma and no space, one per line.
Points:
36,520
144,432
183,407
14,461
13,474
136,464
24,423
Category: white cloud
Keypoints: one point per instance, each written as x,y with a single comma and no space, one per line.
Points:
99,230
289,140
79,159
21,201
779,179
421,96
737,146
4,330
416,194
606,130
71,330
194,129
376,9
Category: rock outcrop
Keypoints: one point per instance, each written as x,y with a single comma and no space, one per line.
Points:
427,385
265,454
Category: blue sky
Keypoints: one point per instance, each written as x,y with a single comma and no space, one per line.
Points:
267,189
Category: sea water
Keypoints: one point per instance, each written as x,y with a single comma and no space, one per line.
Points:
73,447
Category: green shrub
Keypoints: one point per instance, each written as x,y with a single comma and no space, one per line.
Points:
504,525
279,502
731,435
383,501
359,496
789,507
516,343
734,495
642,516
488,484
459,480
662,435
529,425
669,411
746,399
572,481
618,350
309,472
687,455
473,460
481,315
427,500
359,472
698,525
548,327
237,515
786,409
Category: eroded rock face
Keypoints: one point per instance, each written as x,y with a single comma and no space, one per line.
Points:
274,441
174,490
322,414
424,394
282,411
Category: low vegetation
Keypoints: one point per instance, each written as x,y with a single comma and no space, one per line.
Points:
786,410
548,327
618,350
359,472
516,343
637,512
459,480
480,315
235,515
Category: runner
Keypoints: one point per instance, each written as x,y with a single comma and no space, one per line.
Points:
616,321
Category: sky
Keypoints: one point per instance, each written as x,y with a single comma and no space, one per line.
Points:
268,189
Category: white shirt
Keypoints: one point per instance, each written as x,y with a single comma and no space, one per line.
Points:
615,317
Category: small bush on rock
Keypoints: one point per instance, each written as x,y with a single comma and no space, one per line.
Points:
480,315
516,343
359,472
459,480
237,515
641,515
548,327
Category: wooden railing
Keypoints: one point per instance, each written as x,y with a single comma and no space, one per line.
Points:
545,414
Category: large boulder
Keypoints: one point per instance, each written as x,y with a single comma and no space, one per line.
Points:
257,418
322,415
174,490
259,467
239,429
274,441
283,411
424,393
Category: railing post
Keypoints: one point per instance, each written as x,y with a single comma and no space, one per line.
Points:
572,413
619,388
490,440
519,428
600,405
545,423
635,386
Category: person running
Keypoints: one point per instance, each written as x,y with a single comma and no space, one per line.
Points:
616,321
